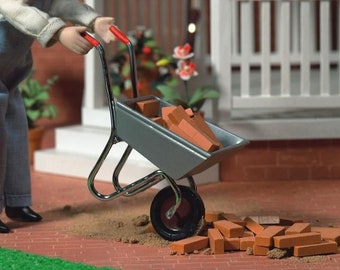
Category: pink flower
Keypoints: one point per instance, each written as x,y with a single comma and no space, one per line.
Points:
186,69
183,52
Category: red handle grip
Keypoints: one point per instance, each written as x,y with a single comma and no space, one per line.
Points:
91,39
123,38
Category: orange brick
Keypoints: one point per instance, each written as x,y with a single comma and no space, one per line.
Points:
231,243
298,228
203,126
158,120
233,218
165,111
175,129
301,239
190,244
248,233
177,115
216,241
328,233
229,229
265,238
253,225
212,216
316,249
247,242
260,251
197,137
149,108
189,112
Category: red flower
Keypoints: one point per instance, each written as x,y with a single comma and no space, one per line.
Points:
186,69
147,50
183,52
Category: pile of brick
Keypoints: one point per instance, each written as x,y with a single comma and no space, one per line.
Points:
183,122
227,232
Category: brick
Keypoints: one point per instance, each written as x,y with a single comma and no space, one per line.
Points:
291,240
316,249
328,233
287,221
231,243
175,129
158,120
253,225
203,126
247,242
216,241
260,251
211,216
189,112
233,218
190,244
197,137
298,228
165,111
149,108
177,115
248,233
229,229
265,238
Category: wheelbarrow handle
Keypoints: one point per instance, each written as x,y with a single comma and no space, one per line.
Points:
123,38
91,39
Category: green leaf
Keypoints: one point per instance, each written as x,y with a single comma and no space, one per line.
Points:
150,43
168,93
116,91
203,93
126,71
149,64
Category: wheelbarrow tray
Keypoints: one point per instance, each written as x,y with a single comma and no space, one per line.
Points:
171,153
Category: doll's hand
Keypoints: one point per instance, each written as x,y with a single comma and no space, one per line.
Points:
72,39
101,28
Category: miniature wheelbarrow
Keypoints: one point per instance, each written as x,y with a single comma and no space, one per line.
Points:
177,211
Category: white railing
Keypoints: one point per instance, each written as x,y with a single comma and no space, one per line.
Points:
300,71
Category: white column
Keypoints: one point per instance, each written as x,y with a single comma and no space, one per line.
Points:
221,18
94,95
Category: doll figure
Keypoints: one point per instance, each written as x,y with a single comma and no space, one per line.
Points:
21,22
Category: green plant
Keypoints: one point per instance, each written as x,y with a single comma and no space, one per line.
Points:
147,54
35,97
181,64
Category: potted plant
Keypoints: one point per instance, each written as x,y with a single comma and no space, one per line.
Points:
36,100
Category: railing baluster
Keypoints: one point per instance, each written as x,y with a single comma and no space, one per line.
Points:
305,48
324,47
285,48
265,49
245,47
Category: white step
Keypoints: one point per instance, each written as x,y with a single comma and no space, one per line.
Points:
79,147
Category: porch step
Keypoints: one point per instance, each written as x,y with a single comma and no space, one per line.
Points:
79,147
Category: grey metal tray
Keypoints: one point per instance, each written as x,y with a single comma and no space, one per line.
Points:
171,153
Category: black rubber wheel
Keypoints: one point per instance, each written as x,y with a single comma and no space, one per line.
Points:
188,219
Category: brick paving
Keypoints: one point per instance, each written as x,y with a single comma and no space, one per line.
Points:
317,202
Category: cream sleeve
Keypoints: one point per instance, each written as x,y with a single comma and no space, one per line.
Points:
43,25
